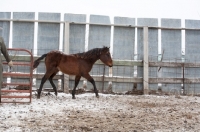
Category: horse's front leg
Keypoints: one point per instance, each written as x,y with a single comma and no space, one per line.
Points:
77,79
90,79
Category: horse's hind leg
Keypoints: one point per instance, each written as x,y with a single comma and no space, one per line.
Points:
45,77
90,79
77,79
52,84
41,85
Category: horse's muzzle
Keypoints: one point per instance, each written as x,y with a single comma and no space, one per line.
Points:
110,65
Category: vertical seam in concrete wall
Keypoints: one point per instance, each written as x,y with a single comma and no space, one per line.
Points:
183,37
61,41
61,33
136,38
111,35
35,44
87,29
35,34
146,61
135,54
111,45
159,37
66,50
11,29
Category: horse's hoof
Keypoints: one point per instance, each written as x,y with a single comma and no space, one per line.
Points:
38,97
56,94
97,96
73,97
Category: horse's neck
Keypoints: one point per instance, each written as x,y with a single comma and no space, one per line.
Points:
93,60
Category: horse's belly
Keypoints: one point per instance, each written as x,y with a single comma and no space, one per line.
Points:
71,70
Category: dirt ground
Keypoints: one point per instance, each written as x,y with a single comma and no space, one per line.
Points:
123,113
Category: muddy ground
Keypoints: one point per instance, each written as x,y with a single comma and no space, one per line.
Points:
134,113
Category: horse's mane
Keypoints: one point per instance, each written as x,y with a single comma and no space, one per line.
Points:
90,54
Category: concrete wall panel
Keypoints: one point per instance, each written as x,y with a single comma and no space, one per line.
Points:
23,32
124,39
48,33
171,44
99,36
153,46
192,41
192,54
48,39
171,39
77,33
123,49
153,37
5,32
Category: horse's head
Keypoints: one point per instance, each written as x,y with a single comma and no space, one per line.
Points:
105,57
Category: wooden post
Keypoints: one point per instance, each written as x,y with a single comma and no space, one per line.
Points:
145,61
110,82
66,51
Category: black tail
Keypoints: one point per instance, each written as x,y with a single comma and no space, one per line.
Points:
37,62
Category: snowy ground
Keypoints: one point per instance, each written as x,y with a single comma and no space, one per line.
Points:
107,113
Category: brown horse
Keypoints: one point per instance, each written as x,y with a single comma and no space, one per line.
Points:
79,64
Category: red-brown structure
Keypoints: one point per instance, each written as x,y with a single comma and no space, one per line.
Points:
20,84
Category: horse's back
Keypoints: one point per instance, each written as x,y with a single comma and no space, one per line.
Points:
69,64
53,57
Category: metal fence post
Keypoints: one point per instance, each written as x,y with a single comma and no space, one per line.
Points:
66,51
145,62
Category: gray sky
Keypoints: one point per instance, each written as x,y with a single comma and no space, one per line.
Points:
182,9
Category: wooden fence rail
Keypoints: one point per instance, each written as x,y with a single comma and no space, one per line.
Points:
105,78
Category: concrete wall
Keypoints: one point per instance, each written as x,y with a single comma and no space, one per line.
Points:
153,47
48,33
23,32
5,32
123,49
77,32
171,44
123,42
192,54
